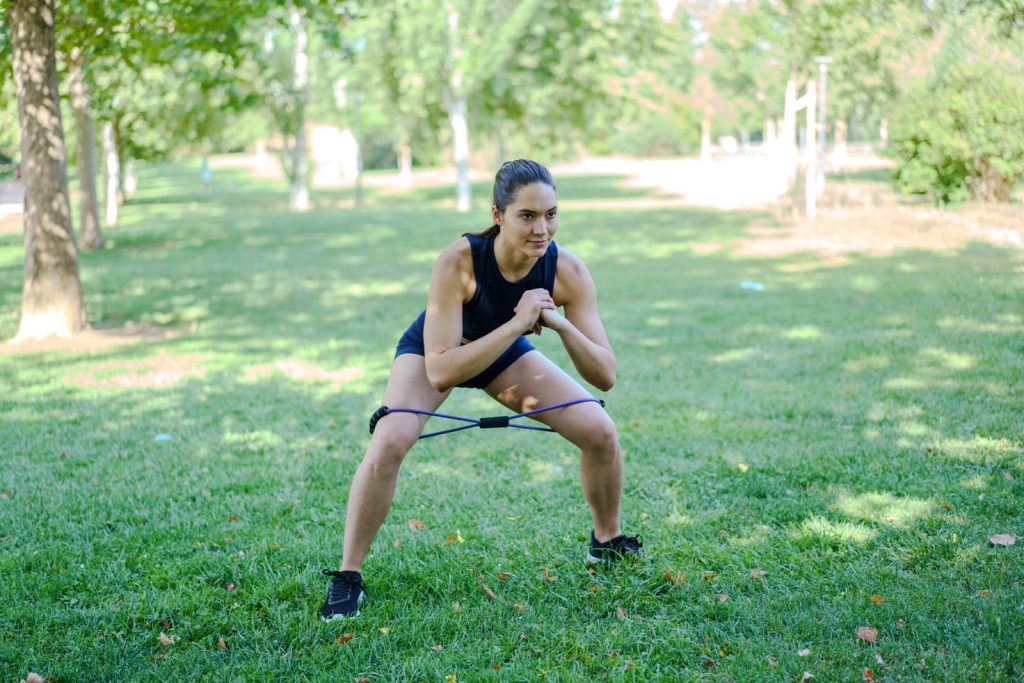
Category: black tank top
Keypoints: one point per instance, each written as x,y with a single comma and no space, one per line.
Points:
494,302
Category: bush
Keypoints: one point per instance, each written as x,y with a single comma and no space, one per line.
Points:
960,135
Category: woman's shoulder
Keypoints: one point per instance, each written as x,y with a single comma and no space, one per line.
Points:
456,255
570,264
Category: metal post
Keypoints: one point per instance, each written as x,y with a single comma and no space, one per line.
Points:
822,63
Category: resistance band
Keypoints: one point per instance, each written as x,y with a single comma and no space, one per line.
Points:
483,422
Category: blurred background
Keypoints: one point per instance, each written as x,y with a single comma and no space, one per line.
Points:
731,104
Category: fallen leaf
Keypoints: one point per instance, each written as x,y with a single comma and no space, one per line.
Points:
674,579
613,654
709,575
722,597
644,516
901,623
723,534
983,593
807,676
166,640
877,599
437,648
456,607
6,493
488,591
32,678
397,543
1007,476
867,634
221,643
868,675
742,466
519,606
772,662
878,658
804,652
947,506
450,539
627,665
451,678
757,573
548,577
344,638
594,588
707,661
1005,540
621,611
496,666
232,518
231,585
384,630
363,680
416,524
504,576
591,571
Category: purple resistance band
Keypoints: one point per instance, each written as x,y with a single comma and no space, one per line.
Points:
483,422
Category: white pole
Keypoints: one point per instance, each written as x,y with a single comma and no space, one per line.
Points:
811,153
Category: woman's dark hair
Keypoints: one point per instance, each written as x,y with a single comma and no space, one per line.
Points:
510,177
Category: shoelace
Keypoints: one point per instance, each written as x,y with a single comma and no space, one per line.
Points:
341,587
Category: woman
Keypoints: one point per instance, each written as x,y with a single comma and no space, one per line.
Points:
486,292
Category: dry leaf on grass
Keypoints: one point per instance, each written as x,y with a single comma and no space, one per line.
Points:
984,593
504,576
221,643
548,577
1005,540
707,661
344,638
363,680
488,591
868,675
1007,476
397,543
707,576
674,579
878,658
416,525
757,573
621,611
167,640
804,652
877,599
594,588
867,634
722,597
807,676
32,678
519,606
901,623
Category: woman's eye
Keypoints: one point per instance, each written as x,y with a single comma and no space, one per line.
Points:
553,214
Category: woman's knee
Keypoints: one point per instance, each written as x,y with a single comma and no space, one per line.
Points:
390,443
598,435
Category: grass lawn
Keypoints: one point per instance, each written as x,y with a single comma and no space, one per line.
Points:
830,453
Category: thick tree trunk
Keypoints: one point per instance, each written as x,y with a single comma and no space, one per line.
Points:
112,170
457,115
85,126
52,292
298,192
126,180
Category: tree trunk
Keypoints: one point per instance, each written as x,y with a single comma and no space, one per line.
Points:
85,126
457,116
298,192
788,144
404,160
112,170
125,170
52,301
705,136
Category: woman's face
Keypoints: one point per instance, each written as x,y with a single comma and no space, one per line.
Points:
530,222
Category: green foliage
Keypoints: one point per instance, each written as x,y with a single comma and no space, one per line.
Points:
960,134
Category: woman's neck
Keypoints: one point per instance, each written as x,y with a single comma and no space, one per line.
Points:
513,264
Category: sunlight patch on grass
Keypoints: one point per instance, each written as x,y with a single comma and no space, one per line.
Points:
884,508
975,483
950,360
977,448
736,355
1003,324
842,532
866,283
914,428
803,332
677,518
255,440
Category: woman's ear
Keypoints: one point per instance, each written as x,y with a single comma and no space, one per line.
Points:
495,214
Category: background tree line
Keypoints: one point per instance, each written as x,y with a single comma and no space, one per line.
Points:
428,83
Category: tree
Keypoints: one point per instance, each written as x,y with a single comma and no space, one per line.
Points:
52,302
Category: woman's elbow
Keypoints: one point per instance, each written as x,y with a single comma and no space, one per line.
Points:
437,379
605,382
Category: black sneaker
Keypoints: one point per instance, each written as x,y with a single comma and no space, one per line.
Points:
620,547
344,595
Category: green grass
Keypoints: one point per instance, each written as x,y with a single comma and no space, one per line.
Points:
846,431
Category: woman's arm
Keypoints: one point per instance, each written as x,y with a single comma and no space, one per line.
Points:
448,361
581,329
